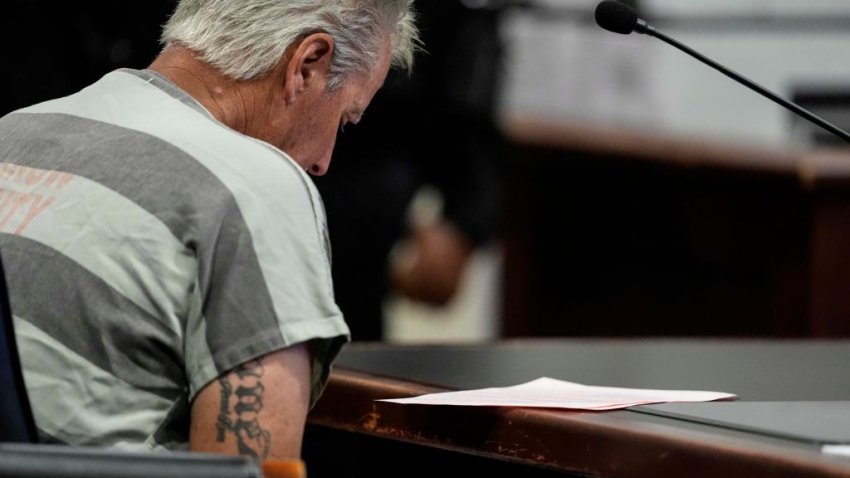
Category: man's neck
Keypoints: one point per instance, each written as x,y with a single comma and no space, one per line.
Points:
230,101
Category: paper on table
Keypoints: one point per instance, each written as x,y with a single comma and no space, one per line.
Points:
551,393
843,450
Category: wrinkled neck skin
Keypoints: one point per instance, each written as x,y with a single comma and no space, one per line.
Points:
245,106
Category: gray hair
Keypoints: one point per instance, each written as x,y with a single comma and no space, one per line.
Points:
245,39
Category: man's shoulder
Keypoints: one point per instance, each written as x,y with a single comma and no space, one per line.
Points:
120,97
129,123
130,107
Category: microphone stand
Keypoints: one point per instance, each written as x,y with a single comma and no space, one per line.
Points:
647,29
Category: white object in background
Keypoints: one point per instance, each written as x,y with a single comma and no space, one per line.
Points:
565,70
725,8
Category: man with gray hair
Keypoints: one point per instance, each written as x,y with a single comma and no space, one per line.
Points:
166,251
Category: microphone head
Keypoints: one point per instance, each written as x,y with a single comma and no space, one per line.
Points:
616,17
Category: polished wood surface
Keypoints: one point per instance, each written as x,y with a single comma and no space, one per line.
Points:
814,168
610,444
620,232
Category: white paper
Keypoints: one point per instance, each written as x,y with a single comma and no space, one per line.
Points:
843,450
551,393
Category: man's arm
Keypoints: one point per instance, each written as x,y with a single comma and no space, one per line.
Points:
257,409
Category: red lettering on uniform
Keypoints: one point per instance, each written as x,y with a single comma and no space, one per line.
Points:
33,176
40,203
17,200
57,179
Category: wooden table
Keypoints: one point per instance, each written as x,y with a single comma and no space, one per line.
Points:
616,232
349,434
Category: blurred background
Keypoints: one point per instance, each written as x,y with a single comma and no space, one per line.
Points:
538,176
565,67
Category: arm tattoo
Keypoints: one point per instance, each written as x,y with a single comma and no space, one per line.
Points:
242,419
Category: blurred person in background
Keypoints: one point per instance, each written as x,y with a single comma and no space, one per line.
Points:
436,129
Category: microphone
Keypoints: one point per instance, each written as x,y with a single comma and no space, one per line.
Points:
618,18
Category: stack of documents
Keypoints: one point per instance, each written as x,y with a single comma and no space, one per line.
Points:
551,393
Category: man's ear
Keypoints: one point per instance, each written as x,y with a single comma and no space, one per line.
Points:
309,65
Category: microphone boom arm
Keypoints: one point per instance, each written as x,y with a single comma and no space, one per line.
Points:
646,29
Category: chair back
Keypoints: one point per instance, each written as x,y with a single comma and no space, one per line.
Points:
61,461
17,424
